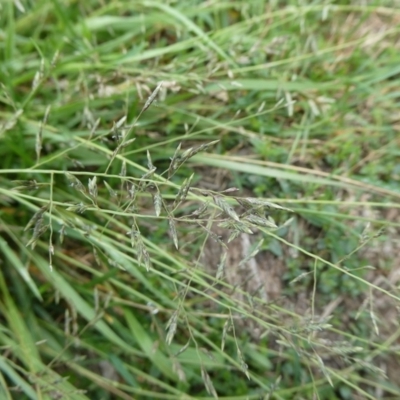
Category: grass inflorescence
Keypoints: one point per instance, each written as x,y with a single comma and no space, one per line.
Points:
199,200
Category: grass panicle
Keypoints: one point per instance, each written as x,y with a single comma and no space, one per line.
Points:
179,165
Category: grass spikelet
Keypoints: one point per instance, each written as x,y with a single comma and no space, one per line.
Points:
93,188
225,330
229,190
38,231
9,124
75,183
251,202
203,147
38,75
20,6
323,369
150,165
183,191
226,207
214,236
253,253
346,349
171,327
39,136
117,133
236,226
96,256
371,367
140,248
138,244
208,383
126,144
27,185
80,208
243,365
287,222
146,258
145,177
111,191
183,349
256,220
200,211
94,128
149,174
123,169
173,165
54,60
236,233
96,299
300,277
134,234
151,98
62,233
177,162
37,216
67,323
372,314
131,191
51,253
120,123
157,200
221,265
172,228
177,368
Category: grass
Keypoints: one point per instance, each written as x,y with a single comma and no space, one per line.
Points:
199,200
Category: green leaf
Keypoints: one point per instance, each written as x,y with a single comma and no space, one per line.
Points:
148,345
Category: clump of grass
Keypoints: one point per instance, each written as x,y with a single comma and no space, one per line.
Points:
138,140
